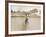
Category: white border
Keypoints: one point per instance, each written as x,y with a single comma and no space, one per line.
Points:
19,32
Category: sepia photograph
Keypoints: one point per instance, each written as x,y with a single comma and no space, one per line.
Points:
24,18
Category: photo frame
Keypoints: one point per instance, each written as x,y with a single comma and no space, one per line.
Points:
24,18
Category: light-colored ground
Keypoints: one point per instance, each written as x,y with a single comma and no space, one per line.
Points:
18,23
